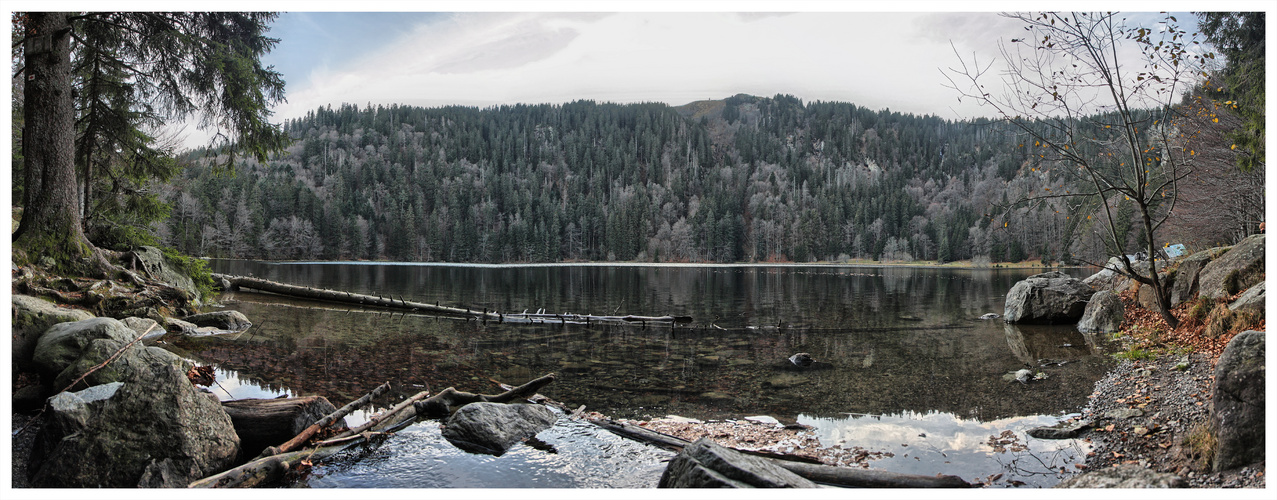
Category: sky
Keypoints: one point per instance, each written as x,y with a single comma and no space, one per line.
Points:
491,53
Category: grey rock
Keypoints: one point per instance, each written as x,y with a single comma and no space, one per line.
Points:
159,268
1252,299
1108,278
178,326
1238,269
705,464
493,428
1063,430
988,316
1123,476
136,357
801,359
64,343
1238,401
149,327
1187,276
122,437
32,316
31,398
1103,314
233,321
1050,298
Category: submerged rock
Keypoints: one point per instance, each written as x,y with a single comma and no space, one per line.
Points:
1063,430
234,321
705,464
492,428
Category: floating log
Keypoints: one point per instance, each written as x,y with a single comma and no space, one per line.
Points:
265,422
827,474
346,297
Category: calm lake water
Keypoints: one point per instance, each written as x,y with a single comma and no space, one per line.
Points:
908,366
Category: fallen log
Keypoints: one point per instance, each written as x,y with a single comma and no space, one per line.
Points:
349,298
328,420
442,404
264,422
827,474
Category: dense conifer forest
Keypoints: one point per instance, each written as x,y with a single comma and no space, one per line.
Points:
747,178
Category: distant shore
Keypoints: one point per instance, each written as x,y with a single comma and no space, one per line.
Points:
850,263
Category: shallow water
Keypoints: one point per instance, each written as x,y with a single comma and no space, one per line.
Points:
902,345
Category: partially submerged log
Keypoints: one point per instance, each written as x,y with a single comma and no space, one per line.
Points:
264,422
827,474
350,298
539,317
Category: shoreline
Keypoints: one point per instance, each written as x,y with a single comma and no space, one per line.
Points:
960,265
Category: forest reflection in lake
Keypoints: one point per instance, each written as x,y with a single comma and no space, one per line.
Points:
894,339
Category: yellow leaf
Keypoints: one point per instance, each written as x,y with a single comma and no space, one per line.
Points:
1234,146
1216,120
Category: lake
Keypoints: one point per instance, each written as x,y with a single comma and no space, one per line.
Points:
908,366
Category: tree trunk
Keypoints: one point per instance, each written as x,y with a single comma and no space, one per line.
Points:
51,221
266,422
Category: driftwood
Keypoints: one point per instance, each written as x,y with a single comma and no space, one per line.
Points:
270,468
839,476
264,422
441,405
305,435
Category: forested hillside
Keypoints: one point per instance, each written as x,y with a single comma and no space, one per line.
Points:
742,179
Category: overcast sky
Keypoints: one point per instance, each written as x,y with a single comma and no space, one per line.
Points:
676,53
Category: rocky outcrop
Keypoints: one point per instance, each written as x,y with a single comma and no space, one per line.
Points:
157,267
1251,300
493,428
1185,286
148,328
1238,402
31,318
1123,476
1047,298
68,350
234,321
705,464
152,429
1238,269
1104,313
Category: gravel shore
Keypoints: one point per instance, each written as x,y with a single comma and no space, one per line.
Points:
1148,412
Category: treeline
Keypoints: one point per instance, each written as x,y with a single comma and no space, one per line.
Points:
741,179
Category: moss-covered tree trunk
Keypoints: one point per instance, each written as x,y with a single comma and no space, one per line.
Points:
51,219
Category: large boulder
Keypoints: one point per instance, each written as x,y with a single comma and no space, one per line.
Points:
706,464
136,357
1251,300
1187,276
493,428
1103,314
155,265
1238,402
153,429
1123,476
1238,269
1047,298
234,321
64,343
1108,278
32,317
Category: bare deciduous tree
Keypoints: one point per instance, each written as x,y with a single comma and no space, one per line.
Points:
1095,100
